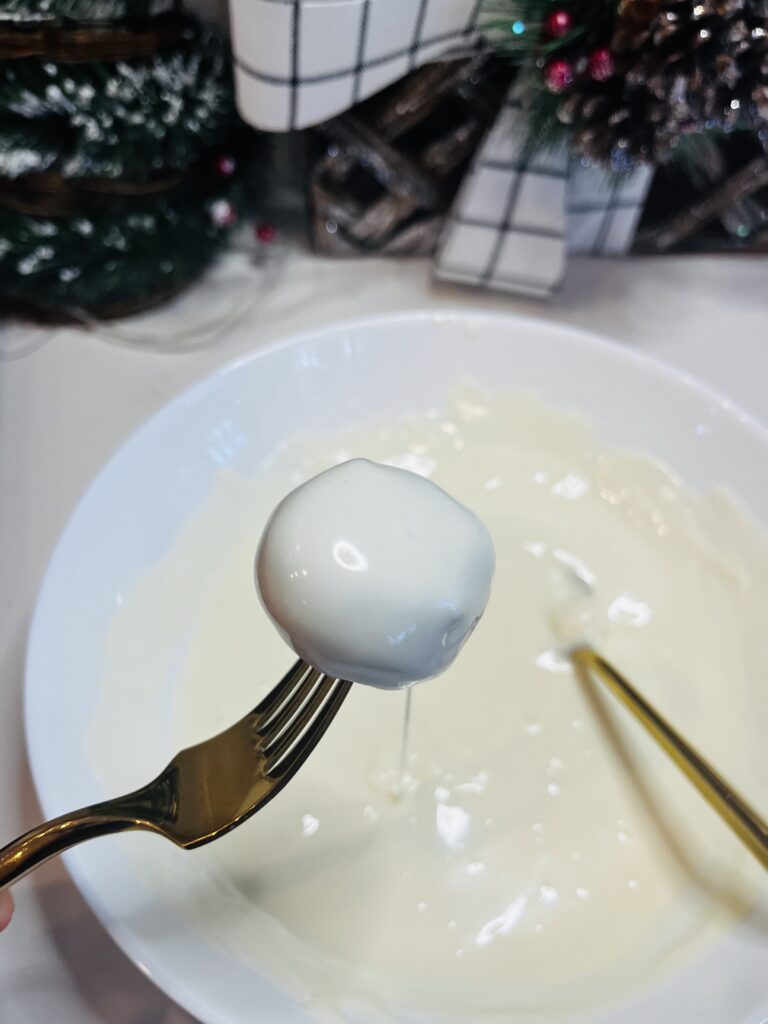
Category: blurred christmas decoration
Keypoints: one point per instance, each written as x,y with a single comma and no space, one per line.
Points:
384,175
115,120
625,83
122,161
53,11
415,138
680,85
711,198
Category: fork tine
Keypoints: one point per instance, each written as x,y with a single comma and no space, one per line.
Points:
301,751
274,724
280,693
278,743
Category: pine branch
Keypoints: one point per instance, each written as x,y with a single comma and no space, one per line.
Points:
517,30
95,11
113,196
115,119
516,27
126,252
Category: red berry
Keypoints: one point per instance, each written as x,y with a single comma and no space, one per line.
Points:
558,75
558,24
601,65
266,233
226,166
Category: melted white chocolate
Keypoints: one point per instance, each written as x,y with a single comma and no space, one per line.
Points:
546,856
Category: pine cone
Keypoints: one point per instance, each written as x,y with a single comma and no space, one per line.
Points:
681,66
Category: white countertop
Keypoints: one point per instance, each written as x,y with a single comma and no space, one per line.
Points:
64,409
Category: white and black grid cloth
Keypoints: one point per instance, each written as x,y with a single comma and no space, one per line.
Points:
507,226
300,62
516,217
603,211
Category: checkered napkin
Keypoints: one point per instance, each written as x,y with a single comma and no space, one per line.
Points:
301,62
515,219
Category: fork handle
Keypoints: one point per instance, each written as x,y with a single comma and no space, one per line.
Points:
53,837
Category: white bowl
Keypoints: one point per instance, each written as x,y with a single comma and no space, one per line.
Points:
352,374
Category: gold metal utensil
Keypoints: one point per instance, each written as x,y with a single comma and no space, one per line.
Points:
206,790
723,798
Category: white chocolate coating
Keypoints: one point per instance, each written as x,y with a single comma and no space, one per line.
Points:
374,574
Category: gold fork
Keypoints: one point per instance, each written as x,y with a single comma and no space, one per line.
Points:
208,789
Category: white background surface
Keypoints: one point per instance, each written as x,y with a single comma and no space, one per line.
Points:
65,408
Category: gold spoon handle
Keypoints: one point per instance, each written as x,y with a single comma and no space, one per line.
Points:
732,808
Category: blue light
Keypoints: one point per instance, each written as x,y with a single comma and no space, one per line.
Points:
518,27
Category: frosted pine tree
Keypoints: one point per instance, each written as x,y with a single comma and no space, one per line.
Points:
120,175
